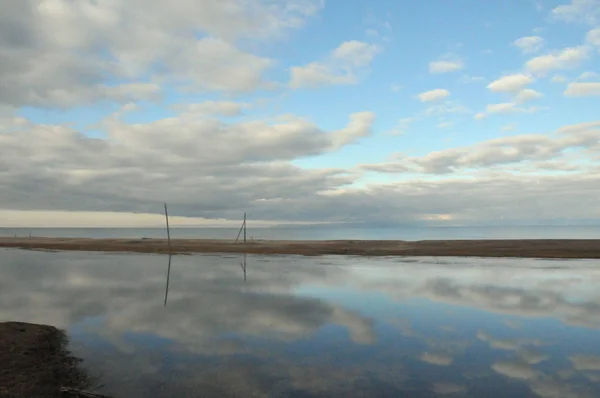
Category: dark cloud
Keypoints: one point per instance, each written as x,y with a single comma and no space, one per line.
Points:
214,169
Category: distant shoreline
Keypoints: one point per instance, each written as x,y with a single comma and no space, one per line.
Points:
526,248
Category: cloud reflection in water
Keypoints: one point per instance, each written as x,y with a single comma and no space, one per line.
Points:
309,327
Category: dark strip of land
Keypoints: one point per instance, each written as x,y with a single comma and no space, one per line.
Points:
534,248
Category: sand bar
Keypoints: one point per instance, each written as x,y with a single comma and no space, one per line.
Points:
534,248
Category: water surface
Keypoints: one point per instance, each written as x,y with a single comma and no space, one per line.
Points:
287,326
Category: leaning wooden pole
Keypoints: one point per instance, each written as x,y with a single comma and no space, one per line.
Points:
168,229
239,233
242,228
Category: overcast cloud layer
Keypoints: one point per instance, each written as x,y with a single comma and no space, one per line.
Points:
184,94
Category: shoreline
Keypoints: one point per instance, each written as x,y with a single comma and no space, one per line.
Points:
523,248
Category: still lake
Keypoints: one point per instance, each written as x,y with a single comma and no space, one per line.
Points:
333,326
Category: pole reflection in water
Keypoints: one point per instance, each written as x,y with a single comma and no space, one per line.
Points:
243,265
168,277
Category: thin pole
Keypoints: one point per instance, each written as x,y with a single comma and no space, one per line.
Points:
244,228
168,230
239,233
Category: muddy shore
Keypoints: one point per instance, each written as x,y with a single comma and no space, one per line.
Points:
35,362
535,248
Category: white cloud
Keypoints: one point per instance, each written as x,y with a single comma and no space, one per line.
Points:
588,76
201,158
510,83
567,58
509,127
559,79
355,53
507,107
586,11
51,53
211,169
447,107
503,151
529,44
434,95
446,66
216,65
132,92
339,68
316,75
583,89
527,95
402,126
221,108
471,79
593,37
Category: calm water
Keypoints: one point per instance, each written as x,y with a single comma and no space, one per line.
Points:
286,326
322,233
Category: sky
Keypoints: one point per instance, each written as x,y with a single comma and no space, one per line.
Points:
390,112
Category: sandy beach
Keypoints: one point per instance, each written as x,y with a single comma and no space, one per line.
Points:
469,248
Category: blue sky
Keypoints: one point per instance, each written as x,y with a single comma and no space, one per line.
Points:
442,92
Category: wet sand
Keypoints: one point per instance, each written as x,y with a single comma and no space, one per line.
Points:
535,248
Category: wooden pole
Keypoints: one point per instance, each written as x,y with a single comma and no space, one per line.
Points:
168,230
239,233
242,228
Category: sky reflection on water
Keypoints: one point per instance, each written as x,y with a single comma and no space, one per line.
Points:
316,327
